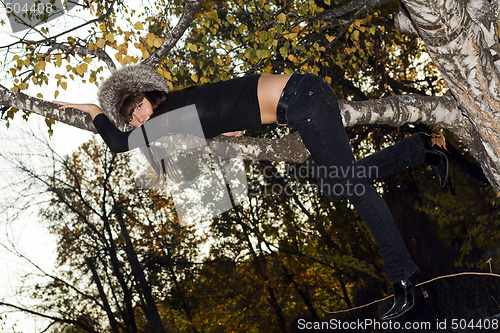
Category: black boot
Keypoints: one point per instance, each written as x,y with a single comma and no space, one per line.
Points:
404,296
436,158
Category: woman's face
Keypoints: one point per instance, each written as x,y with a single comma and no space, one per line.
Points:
142,113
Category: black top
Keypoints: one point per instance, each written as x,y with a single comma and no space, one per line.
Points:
224,106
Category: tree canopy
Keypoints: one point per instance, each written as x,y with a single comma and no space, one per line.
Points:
376,68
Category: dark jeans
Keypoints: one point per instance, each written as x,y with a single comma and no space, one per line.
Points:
314,112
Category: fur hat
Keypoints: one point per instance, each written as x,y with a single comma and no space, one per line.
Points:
124,82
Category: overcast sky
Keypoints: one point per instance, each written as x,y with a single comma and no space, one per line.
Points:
27,233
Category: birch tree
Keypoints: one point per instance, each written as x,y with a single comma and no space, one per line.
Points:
460,37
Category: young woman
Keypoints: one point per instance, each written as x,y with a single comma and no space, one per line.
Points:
303,102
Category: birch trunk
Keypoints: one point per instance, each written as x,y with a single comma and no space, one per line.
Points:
462,39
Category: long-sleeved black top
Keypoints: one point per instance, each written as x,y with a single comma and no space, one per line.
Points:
224,106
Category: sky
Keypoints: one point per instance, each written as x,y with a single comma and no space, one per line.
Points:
28,235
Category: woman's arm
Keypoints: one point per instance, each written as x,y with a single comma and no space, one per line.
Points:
92,109
116,140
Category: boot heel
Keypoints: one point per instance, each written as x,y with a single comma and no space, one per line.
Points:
404,292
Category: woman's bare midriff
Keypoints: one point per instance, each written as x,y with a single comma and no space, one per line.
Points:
269,91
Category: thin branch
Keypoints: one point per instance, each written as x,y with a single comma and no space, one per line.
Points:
99,53
351,7
187,17
55,278
420,284
48,39
56,319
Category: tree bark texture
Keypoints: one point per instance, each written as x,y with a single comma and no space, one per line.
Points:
462,39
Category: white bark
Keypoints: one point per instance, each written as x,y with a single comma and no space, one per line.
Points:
44,108
394,110
462,39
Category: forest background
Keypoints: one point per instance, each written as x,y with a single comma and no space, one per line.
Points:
125,263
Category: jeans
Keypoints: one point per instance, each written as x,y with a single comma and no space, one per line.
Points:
313,111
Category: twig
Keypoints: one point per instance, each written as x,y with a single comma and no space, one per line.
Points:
421,283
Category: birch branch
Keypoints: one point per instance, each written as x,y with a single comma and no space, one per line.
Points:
187,17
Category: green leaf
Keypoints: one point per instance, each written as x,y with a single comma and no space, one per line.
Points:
282,18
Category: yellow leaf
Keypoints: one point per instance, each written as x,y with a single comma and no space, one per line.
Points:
58,60
138,26
158,42
192,47
268,69
16,57
102,27
110,37
150,39
42,65
194,77
56,93
100,43
79,70
330,38
88,60
282,18
127,59
39,95
64,85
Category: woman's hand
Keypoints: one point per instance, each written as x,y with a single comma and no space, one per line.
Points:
235,133
92,109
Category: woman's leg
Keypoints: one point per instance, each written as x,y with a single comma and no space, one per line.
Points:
314,113
407,152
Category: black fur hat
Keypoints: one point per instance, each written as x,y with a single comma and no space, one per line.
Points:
122,83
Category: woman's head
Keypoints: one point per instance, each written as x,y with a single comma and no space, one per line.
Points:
128,82
138,107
